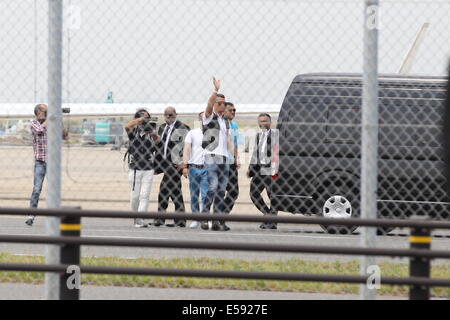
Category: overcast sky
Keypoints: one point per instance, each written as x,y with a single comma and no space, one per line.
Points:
168,50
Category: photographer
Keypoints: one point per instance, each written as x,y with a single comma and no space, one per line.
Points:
39,133
141,153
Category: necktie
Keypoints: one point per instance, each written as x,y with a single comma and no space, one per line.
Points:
165,139
263,147
164,136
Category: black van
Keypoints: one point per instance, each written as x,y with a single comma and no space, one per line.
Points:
320,136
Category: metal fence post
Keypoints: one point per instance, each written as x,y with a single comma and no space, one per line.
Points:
54,137
419,266
70,255
369,141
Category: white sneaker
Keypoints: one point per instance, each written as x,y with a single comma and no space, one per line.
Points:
30,220
194,225
139,223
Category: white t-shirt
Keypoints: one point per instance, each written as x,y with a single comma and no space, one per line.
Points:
195,137
222,148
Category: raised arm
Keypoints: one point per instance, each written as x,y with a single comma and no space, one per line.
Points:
38,127
130,125
212,98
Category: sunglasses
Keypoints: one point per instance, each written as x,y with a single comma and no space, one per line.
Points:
221,103
170,114
232,110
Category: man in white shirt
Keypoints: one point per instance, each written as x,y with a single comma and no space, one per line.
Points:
194,167
217,145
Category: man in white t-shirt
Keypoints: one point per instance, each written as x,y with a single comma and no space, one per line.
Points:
194,167
218,147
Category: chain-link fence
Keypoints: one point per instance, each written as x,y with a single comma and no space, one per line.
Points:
134,78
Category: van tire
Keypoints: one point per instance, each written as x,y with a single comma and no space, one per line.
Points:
338,187
348,187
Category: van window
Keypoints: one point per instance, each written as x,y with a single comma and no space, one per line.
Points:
304,122
407,125
341,125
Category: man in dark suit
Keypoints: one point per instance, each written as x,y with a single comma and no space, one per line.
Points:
263,167
169,160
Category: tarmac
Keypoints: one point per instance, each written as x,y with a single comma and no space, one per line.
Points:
37,292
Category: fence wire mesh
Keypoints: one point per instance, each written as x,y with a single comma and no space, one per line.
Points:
135,77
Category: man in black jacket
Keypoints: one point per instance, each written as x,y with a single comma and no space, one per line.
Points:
262,168
142,146
169,160
233,177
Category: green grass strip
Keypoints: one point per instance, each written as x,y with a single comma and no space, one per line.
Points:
291,265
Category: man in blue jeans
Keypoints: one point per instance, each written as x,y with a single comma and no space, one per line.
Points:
218,147
39,133
194,167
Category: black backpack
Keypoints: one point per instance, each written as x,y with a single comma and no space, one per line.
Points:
211,133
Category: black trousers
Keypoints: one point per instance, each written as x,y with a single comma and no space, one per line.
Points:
232,189
170,188
257,185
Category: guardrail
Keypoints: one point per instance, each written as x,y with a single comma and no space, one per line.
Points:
70,240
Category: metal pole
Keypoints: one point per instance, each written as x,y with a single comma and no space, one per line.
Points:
369,143
419,266
54,137
70,255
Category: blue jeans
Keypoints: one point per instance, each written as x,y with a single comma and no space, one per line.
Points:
40,168
218,171
198,186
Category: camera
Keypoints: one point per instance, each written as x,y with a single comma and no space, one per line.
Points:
149,124
64,110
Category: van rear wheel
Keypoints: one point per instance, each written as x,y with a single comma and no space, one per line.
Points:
339,198
336,198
